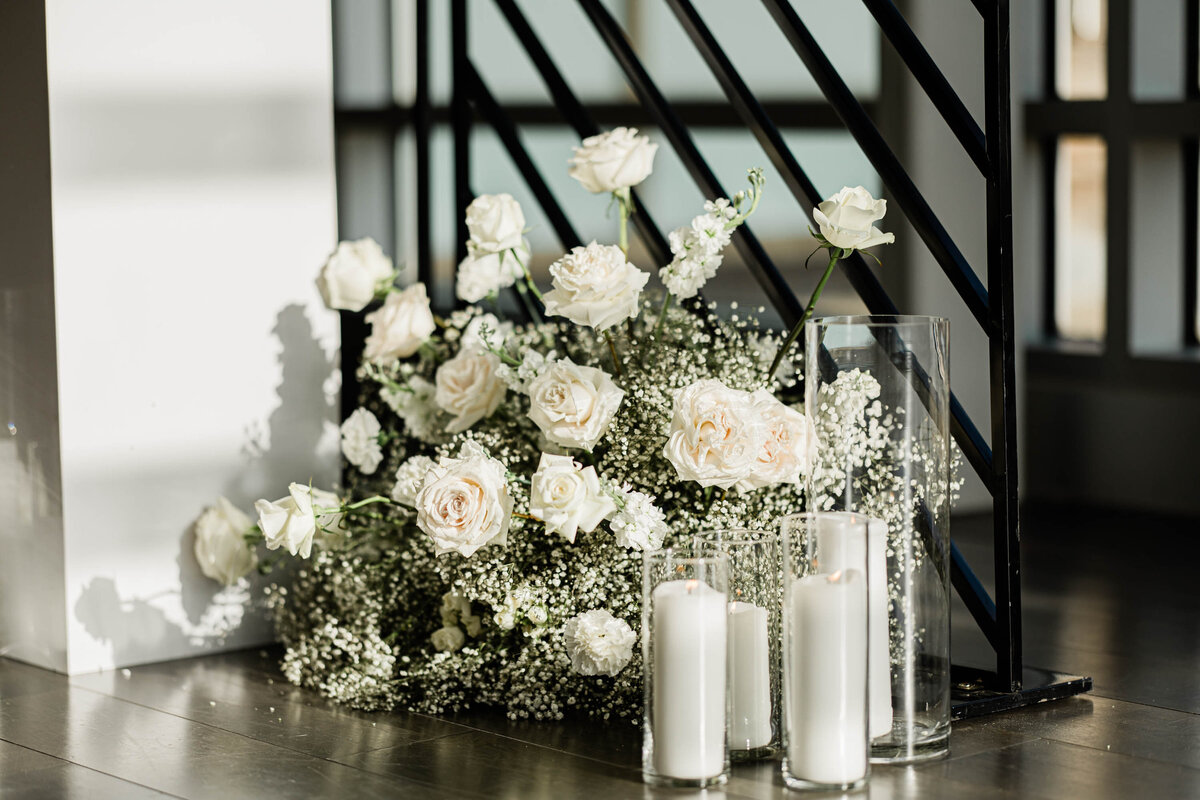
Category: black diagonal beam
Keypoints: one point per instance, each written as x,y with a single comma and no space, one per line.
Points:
915,207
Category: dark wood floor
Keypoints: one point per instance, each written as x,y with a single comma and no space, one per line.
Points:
1111,596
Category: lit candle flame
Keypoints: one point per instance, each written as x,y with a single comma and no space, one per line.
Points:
691,585
836,577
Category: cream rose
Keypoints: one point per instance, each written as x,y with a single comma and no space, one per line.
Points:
360,441
400,327
353,274
484,273
595,286
495,222
448,639
568,497
221,549
469,387
846,219
613,160
464,503
294,522
781,458
598,643
715,437
573,405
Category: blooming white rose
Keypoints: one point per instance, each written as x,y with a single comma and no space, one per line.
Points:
573,405
639,525
495,222
417,407
598,643
715,436
221,549
464,504
595,286
538,615
497,332
781,459
360,440
294,522
470,387
846,219
483,273
353,274
568,497
613,160
448,639
410,477
400,327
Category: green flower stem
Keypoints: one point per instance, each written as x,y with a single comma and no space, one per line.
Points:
834,254
523,293
612,348
624,209
662,315
353,506
528,277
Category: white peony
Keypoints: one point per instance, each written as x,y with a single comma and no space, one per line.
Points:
417,406
470,387
639,525
400,327
781,459
613,160
221,549
715,436
464,503
295,521
598,643
482,274
573,405
448,639
495,222
568,497
595,286
846,219
360,441
410,477
353,274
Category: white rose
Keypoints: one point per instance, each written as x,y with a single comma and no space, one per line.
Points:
221,549
483,273
469,387
781,459
715,437
538,615
573,405
846,219
400,327
567,497
353,274
295,521
613,160
410,477
598,643
506,619
360,440
465,503
595,286
495,222
448,639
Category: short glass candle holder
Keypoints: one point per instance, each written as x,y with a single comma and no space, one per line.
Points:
825,651
755,631
685,648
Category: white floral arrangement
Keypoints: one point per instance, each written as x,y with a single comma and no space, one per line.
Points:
508,476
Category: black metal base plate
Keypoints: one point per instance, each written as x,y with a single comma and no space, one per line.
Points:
971,696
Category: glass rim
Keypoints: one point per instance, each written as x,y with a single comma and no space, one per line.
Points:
857,518
683,554
741,539
880,320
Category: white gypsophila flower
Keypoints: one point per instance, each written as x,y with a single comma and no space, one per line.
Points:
764,349
296,521
595,286
400,326
497,332
464,503
715,436
784,448
613,161
417,407
639,525
573,405
220,547
469,387
483,274
847,219
495,223
448,639
567,496
360,440
353,274
598,643
410,477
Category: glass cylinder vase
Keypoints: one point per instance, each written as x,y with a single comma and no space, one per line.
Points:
685,650
877,394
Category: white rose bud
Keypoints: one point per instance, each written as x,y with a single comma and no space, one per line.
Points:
715,436
221,549
595,286
294,522
353,274
537,615
464,504
846,219
567,497
613,160
573,405
506,620
781,459
448,639
483,273
495,222
598,643
360,440
399,328
469,387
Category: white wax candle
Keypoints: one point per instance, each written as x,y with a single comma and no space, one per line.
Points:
690,653
827,678
839,552
749,677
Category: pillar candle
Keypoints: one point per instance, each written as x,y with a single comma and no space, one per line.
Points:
749,677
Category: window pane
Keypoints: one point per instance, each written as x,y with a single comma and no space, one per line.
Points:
1080,250
1158,38
1081,39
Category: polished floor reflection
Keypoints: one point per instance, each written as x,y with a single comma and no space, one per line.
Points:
1109,596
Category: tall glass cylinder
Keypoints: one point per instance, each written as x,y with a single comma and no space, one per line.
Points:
877,393
825,651
685,647
755,610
